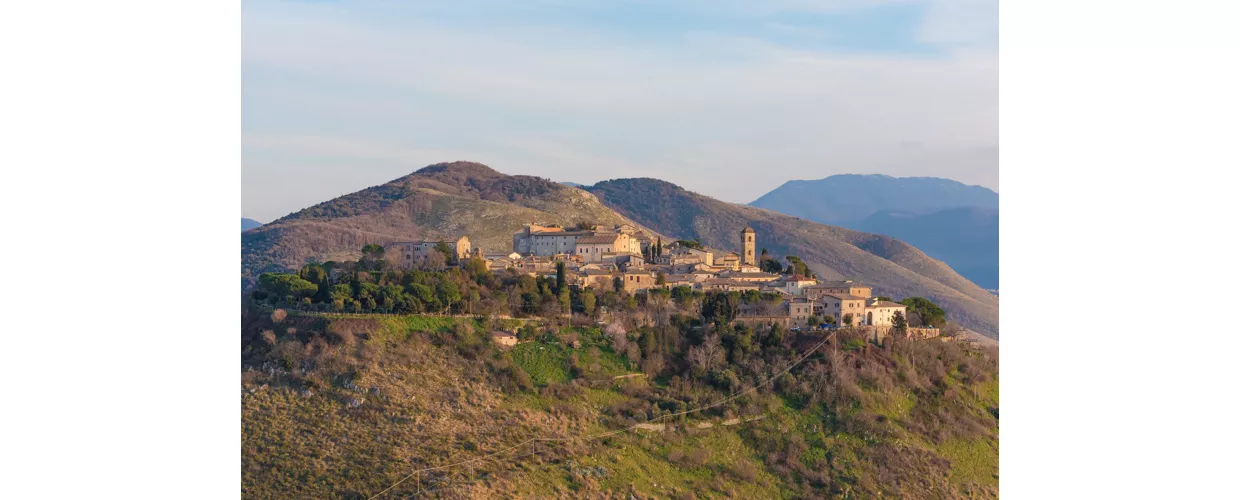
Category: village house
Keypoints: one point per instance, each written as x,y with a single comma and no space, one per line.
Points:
796,284
503,339
838,306
727,285
545,241
595,247
845,287
755,277
638,280
799,311
406,254
882,313
730,261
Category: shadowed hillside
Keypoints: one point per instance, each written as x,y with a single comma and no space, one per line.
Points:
949,220
895,268
439,201
842,199
967,238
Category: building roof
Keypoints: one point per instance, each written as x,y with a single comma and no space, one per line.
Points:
884,303
747,230
797,277
728,282
843,296
742,274
842,284
598,239
501,333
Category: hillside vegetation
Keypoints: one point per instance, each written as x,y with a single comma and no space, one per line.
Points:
893,267
343,406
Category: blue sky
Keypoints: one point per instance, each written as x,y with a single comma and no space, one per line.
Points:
727,98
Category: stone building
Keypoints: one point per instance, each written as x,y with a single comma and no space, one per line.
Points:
839,305
599,246
748,241
799,311
846,287
545,241
881,312
405,254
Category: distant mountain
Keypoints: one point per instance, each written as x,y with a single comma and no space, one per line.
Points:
967,239
950,221
894,267
843,199
574,184
248,224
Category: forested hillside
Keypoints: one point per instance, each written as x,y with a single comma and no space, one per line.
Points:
348,407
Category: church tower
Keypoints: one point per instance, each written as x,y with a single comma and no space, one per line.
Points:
747,239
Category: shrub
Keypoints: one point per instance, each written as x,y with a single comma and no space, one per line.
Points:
278,315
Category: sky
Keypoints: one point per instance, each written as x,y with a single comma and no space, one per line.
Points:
727,98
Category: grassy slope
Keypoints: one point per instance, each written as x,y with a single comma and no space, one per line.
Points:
893,267
423,405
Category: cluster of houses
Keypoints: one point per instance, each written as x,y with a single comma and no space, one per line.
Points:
597,256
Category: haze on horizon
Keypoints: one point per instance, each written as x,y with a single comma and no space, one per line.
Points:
729,99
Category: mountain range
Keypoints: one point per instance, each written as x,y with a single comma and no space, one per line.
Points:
472,199
948,220
248,224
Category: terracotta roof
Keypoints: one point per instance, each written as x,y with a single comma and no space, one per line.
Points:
747,230
598,239
797,277
885,303
843,296
842,284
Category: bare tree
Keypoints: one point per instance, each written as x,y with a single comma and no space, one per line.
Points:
707,357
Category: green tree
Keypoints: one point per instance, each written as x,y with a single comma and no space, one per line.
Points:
769,265
884,298
660,278
797,266
449,294
588,302
926,312
897,321
559,276
476,268
372,251
566,304
617,284
449,256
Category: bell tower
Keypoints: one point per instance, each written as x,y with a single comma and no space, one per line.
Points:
748,243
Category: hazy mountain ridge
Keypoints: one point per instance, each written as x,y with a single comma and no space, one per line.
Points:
894,267
248,224
965,238
949,220
853,197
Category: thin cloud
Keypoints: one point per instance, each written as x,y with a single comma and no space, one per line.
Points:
722,114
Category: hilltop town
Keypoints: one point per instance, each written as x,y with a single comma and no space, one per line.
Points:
623,257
